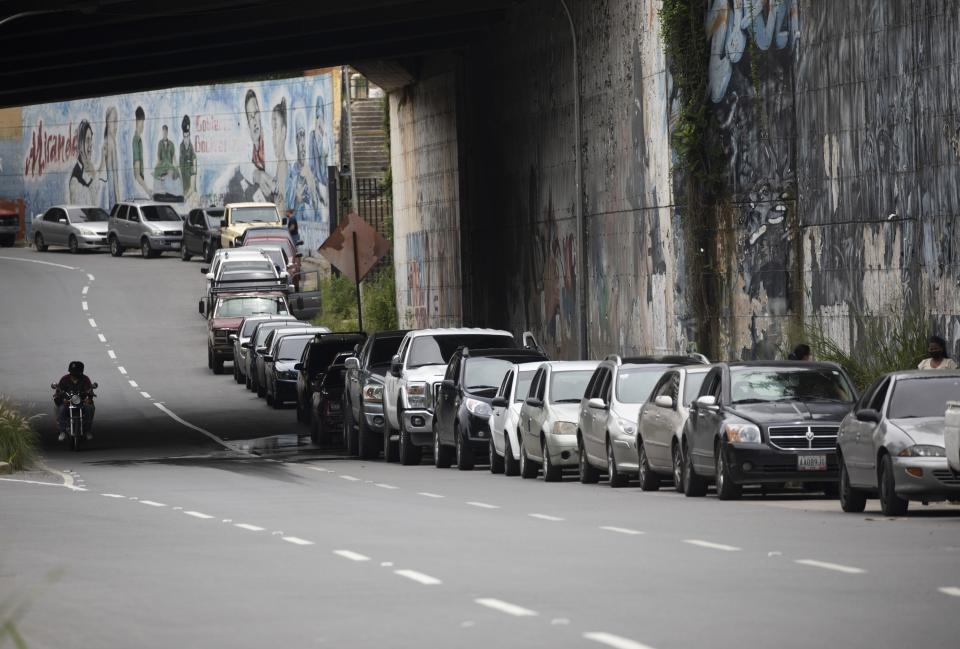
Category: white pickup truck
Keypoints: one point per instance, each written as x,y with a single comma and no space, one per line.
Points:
240,217
410,385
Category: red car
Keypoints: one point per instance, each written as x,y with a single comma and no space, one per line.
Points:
275,238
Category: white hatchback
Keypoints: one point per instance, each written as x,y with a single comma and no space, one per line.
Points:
504,443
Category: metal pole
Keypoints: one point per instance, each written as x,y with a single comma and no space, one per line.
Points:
353,168
356,274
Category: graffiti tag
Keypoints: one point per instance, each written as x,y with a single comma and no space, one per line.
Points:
49,148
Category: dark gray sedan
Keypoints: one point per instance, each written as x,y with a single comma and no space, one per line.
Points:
892,444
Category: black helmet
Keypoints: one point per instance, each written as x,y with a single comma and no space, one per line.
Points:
75,368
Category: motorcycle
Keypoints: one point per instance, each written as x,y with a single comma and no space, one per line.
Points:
74,401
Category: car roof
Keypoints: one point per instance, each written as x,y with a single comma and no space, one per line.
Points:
818,365
72,207
509,354
667,359
396,333
571,366
527,367
141,202
236,205
459,331
923,374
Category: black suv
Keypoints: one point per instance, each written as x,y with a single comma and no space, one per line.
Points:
314,362
201,233
765,423
461,422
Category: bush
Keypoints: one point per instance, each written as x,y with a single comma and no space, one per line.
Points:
18,438
339,302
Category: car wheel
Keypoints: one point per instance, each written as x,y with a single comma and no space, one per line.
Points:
464,453
441,454
323,433
409,453
496,462
209,359
528,470
390,450
890,503
677,457
726,489
73,244
511,467
277,401
366,448
852,501
184,255
350,437
588,473
38,243
268,396
694,486
115,248
236,373
248,382
314,432
649,481
207,256
616,478
551,473
261,391
145,250
217,365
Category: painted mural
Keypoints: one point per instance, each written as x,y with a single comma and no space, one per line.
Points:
191,147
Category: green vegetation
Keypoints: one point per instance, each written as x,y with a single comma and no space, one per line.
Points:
18,438
16,605
339,299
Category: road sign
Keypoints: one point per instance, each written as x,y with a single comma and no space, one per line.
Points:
339,247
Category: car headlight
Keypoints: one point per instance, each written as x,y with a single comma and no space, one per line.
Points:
742,433
373,393
477,407
417,395
236,241
86,232
628,427
564,428
287,375
923,450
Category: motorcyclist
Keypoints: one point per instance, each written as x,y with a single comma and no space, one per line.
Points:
74,381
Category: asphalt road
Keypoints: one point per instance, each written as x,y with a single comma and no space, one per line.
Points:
209,523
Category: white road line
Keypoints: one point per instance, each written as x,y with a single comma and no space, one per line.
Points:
615,641
93,323
45,484
429,495
133,384
850,570
320,469
152,503
620,530
84,305
145,395
384,486
712,546
953,591
122,369
297,541
37,261
102,338
353,556
113,495
112,354
546,517
418,577
350,478
248,527
85,289
505,607
198,514
91,277
474,503
186,423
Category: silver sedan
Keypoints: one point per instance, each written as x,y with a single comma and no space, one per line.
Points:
74,226
892,444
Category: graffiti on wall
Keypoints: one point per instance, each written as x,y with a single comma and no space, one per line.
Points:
191,147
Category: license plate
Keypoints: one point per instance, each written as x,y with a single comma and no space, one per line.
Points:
334,407
811,462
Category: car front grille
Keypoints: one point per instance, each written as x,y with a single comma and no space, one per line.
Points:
947,477
803,438
792,468
172,233
9,221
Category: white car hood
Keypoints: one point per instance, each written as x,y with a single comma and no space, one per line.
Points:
427,373
563,412
99,227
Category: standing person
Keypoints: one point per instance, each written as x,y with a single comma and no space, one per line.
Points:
188,161
108,160
279,122
293,227
81,188
800,353
937,358
138,168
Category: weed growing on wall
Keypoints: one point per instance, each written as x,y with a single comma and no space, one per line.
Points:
18,438
339,300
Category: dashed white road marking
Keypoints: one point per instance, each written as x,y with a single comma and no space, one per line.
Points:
91,277
850,570
152,503
37,261
145,395
249,527
320,469
83,304
85,289
418,577
546,517
198,514
113,495
953,591
353,556
121,369
133,384
474,503
297,540
350,478
102,338
112,354
429,495
620,530
386,564
384,486
615,641
186,423
712,546
45,484
93,323
505,607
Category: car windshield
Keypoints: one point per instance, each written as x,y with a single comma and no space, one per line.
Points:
255,215
692,387
159,213
764,384
243,306
248,326
88,215
923,397
213,219
253,264
523,385
264,330
291,347
437,350
635,385
484,373
276,256
568,386
382,353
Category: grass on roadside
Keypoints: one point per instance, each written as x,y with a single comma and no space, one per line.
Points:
339,302
18,438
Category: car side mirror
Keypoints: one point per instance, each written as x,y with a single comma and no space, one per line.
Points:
396,367
95,385
223,223
499,402
707,401
267,358
664,401
298,367
597,403
232,338
210,276
299,255
246,345
54,386
202,308
448,385
352,363
204,271
868,415
534,402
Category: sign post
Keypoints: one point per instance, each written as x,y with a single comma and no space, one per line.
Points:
356,272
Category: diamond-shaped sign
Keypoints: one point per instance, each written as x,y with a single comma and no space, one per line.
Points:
338,248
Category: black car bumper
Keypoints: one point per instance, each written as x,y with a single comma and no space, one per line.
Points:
762,464
286,390
478,432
